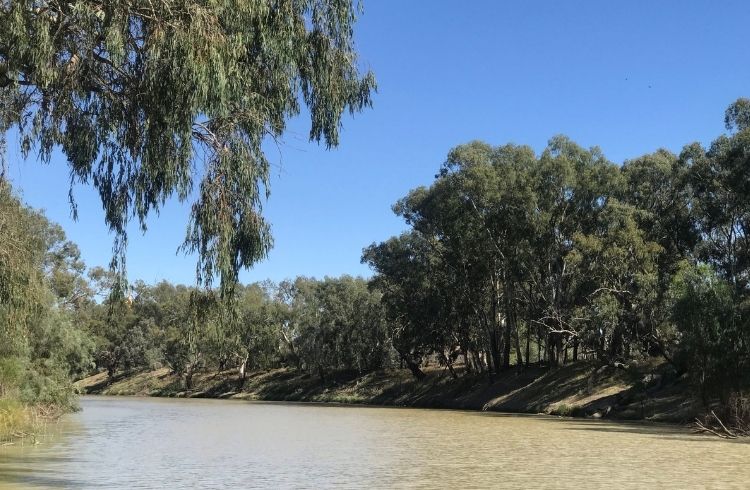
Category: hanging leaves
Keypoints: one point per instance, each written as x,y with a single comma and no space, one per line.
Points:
148,98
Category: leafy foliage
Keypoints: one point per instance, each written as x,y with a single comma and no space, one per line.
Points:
42,347
148,98
577,257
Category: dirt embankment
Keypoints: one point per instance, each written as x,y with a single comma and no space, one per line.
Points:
647,392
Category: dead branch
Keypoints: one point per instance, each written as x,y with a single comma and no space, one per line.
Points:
700,428
730,433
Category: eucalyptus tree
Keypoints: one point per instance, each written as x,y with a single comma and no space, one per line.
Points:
147,99
658,186
494,184
339,325
447,226
65,270
284,296
712,297
41,344
477,217
186,349
248,335
617,269
119,337
721,184
711,347
354,314
504,238
403,265
572,185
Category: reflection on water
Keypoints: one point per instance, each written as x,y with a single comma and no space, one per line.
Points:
166,443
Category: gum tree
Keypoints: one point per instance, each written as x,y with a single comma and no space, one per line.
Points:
149,99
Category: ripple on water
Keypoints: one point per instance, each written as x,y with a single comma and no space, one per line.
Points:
166,443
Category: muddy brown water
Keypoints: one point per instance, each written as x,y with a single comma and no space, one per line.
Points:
188,443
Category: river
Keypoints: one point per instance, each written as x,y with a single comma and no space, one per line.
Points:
190,443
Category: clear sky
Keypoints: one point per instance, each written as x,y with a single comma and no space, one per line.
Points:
627,76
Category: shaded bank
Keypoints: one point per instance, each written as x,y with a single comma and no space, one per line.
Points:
581,389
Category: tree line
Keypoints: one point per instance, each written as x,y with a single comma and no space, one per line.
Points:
62,321
512,258
316,326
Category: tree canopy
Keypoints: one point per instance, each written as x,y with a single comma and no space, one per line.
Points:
151,99
572,256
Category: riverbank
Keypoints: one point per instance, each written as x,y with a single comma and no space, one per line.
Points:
647,392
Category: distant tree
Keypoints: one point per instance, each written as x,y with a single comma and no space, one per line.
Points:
720,183
575,249
410,301
121,338
65,270
258,329
186,345
335,324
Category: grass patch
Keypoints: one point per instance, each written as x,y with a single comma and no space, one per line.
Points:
20,421
565,410
17,420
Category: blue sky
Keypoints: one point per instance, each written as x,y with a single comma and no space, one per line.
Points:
629,77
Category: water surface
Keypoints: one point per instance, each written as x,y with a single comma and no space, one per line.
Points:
189,443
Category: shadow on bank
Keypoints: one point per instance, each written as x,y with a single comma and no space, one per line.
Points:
582,389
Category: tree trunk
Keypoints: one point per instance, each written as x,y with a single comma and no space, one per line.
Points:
510,318
478,364
553,352
494,351
290,343
243,372
449,364
519,354
506,344
528,328
495,325
413,366
538,348
528,345
615,345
